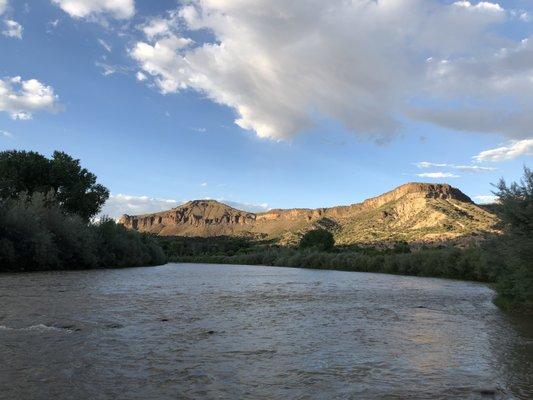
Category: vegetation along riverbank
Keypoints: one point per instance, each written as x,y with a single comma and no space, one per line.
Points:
48,205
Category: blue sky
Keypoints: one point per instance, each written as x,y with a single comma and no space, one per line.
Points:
332,104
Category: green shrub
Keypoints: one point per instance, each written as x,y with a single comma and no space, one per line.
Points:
319,239
36,234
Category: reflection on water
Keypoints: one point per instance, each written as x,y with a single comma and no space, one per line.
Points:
208,331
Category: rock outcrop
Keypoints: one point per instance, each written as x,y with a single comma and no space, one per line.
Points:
415,212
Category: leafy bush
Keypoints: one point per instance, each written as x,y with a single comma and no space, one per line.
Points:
319,239
511,257
36,234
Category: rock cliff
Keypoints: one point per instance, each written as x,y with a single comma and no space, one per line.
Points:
415,212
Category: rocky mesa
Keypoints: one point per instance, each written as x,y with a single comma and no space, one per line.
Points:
414,212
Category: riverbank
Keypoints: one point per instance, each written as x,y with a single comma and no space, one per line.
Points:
467,264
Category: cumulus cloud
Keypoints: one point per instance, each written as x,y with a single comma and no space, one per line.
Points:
437,175
120,204
282,65
486,199
20,98
121,9
481,6
509,151
3,6
12,29
464,168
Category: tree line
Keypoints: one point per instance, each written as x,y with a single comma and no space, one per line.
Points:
46,207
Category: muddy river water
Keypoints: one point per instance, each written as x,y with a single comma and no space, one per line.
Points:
184,331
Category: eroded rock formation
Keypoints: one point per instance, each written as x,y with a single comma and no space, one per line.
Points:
412,212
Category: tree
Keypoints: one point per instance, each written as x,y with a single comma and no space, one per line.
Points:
75,188
319,239
512,255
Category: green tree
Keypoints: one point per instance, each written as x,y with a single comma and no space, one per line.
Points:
512,255
319,239
75,188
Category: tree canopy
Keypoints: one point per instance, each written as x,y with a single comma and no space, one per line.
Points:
74,187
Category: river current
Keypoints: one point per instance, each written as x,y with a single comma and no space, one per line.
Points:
192,331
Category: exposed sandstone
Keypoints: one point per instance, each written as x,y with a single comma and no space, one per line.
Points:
415,212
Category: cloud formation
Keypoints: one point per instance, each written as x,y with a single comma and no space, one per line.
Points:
463,168
12,29
486,199
107,47
437,175
510,151
120,204
367,64
20,98
120,9
3,6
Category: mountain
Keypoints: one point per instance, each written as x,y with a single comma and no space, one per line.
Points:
414,212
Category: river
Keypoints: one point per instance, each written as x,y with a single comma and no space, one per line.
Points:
184,331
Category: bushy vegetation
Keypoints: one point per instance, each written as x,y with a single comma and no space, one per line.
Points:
318,239
444,263
36,235
45,206
511,256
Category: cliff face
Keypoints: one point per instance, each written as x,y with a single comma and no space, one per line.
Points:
416,212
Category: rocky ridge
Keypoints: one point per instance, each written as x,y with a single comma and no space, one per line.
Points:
414,212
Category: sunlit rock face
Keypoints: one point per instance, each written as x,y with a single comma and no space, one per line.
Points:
414,212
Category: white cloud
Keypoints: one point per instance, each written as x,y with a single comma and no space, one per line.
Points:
3,6
283,65
524,16
140,76
486,199
120,204
6,134
203,184
474,168
121,9
425,164
492,92
21,98
481,6
12,29
437,175
464,168
510,151
107,47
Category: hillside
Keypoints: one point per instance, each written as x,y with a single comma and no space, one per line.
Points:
414,212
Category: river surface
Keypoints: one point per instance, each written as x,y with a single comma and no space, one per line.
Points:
184,331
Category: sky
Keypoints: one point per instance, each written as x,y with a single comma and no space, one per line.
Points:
269,103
